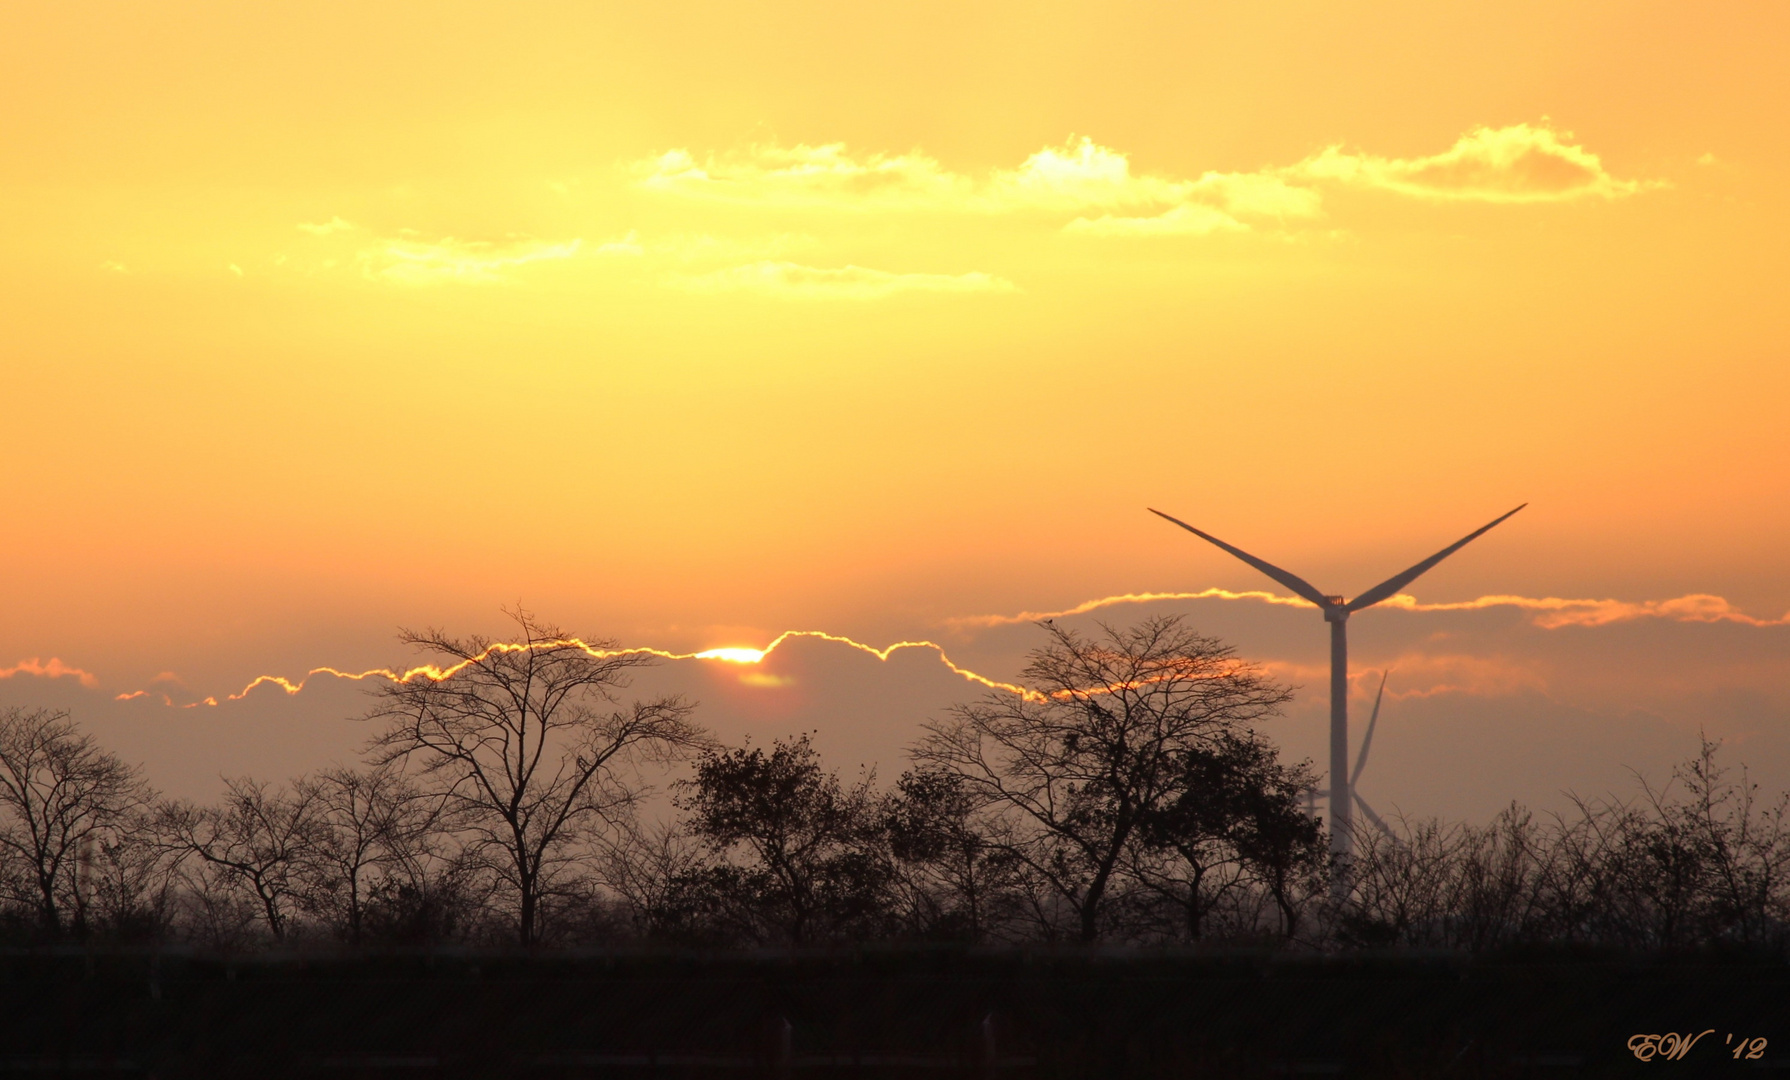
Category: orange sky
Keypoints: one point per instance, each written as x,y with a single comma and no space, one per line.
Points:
688,324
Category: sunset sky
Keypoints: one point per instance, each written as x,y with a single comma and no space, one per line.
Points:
689,324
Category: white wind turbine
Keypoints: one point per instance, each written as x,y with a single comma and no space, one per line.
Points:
1367,740
1337,610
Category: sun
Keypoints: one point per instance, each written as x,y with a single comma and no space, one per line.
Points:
733,655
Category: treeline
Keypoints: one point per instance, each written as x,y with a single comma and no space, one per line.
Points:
1126,797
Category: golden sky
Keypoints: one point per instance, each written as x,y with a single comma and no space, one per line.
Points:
692,323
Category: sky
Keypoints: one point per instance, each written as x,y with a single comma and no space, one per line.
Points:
685,325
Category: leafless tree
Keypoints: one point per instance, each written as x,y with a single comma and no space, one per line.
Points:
646,865
370,826
1091,753
956,877
257,842
1744,848
130,891
526,741
62,797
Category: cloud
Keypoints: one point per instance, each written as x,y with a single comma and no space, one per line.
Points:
1079,176
796,281
627,245
1188,219
1552,612
1521,163
333,225
1516,164
1075,177
805,176
409,257
1556,612
409,261
981,621
52,669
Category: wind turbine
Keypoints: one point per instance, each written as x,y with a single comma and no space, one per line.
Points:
1337,610
1354,778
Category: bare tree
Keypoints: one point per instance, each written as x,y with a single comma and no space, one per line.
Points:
648,867
1091,753
63,796
955,874
1744,847
131,879
525,743
257,842
369,826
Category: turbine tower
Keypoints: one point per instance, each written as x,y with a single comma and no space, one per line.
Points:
1336,611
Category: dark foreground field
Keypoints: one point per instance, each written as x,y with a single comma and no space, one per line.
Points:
895,1013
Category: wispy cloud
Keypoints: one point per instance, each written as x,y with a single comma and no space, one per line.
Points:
978,621
1185,220
53,668
409,260
1550,612
327,228
1554,612
796,281
1521,163
1078,177
805,176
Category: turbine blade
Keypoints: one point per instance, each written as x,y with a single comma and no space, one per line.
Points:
1398,581
1375,818
1292,581
1367,740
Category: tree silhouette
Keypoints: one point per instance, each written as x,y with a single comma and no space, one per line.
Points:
64,797
798,856
1094,752
526,741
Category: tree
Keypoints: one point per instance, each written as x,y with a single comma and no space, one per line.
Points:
1234,812
131,883
63,796
1743,845
1089,753
371,828
957,880
522,743
654,870
799,856
258,840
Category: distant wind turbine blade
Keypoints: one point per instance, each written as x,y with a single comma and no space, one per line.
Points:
1367,740
1393,584
1375,818
1292,581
